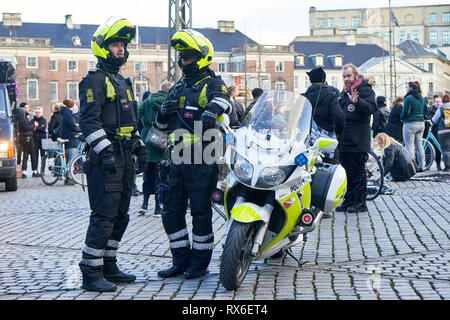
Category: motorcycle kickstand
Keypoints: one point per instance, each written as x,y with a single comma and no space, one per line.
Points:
300,264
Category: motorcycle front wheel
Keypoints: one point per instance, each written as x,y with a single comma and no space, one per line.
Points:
236,256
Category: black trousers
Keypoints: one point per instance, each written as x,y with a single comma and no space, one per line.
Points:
194,182
151,179
109,198
27,147
39,153
354,165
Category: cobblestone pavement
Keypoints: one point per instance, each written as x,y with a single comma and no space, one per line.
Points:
399,250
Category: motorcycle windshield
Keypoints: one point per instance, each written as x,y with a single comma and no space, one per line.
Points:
282,114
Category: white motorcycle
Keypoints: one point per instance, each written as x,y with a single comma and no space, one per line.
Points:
277,187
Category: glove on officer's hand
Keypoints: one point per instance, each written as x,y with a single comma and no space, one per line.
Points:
138,148
108,160
168,108
208,120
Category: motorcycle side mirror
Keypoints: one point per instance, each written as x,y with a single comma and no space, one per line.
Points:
325,144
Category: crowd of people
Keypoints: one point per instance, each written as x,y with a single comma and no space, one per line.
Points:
31,129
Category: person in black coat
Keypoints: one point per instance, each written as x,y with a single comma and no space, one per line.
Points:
70,131
380,117
394,127
54,125
328,114
396,159
27,141
358,103
39,130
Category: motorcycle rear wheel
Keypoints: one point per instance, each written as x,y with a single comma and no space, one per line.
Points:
236,256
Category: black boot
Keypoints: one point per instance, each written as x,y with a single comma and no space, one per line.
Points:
93,280
112,273
348,201
360,205
157,210
171,272
193,272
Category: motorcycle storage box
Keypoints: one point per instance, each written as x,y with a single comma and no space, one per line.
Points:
328,187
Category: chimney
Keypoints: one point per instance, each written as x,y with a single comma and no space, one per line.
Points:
12,19
226,26
351,40
69,22
312,9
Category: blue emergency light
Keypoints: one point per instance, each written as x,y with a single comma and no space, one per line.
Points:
301,159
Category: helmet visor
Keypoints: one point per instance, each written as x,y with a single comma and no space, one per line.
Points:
179,44
189,54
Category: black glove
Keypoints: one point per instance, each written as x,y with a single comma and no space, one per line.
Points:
208,120
168,108
108,160
138,148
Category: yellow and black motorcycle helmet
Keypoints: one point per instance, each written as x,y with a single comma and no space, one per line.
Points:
190,43
115,29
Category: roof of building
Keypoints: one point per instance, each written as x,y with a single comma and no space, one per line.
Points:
412,49
357,54
61,36
377,60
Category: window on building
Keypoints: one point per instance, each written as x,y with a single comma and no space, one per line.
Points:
32,62
319,60
330,22
72,65
338,61
281,93
53,65
140,87
307,82
402,36
445,38
343,22
420,65
446,17
431,67
430,87
53,91
296,82
320,23
299,60
415,35
334,82
260,66
355,22
433,38
279,66
72,90
32,89
388,37
433,18
239,66
222,67
140,66
92,65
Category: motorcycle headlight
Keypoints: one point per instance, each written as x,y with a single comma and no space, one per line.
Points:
273,176
242,169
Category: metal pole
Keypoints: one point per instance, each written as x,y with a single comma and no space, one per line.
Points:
390,51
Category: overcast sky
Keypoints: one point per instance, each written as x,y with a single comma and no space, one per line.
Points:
265,21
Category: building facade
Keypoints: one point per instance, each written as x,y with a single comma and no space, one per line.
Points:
427,25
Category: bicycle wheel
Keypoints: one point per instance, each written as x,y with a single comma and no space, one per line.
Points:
430,154
50,168
76,170
374,175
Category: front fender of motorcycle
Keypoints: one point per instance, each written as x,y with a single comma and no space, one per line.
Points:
249,212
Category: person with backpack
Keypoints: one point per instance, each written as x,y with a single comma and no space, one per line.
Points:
442,119
54,126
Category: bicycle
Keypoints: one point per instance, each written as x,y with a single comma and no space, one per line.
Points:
430,152
54,166
374,175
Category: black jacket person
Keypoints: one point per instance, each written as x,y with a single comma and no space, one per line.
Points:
358,103
199,97
108,121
